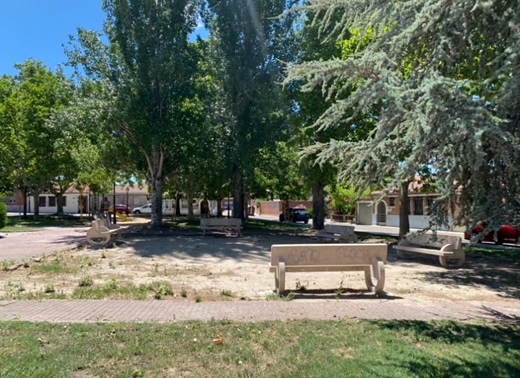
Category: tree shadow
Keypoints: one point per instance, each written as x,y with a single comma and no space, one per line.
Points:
339,294
500,275
463,358
190,246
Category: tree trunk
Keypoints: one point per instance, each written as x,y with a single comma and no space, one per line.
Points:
219,206
24,202
178,204
404,210
59,202
36,200
155,163
238,195
318,207
189,198
81,204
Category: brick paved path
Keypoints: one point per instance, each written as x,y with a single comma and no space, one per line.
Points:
170,311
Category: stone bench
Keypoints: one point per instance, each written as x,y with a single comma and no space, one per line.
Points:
221,224
447,247
338,232
368,258
103,232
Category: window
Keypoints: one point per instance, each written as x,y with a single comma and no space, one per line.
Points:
52,201
391,201
42,201
418,206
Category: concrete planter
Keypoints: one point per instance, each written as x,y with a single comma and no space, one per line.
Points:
342,218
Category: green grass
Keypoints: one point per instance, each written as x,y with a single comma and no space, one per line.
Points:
54,267
492,251
266,225
18,224
268,349
251,224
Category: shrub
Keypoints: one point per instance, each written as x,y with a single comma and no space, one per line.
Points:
3,215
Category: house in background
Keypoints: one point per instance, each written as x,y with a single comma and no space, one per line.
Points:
131,196
385,212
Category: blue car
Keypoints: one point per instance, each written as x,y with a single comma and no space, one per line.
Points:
297,214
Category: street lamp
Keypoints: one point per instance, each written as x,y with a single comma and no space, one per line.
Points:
114,204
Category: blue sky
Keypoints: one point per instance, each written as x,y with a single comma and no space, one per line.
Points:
39,28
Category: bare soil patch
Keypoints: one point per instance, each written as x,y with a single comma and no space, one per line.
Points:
236,268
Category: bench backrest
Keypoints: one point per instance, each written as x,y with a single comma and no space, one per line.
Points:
328,254
339,229
428,240
98,223
232,222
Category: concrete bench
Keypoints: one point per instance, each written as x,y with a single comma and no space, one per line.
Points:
447,247
221,224
338,232
102,232
368,258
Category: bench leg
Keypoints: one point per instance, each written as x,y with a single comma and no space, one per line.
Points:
279,279
379,273
94,237
454,261
368,279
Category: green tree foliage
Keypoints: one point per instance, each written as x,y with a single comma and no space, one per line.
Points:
36,92
310,105
7,132
81,147
147,68
443,79
250,40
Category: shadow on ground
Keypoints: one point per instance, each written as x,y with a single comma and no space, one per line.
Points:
498,274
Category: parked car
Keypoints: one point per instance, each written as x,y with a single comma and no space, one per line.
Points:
506,234
297,214
122,208
146,209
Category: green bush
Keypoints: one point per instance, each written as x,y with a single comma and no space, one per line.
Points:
3,215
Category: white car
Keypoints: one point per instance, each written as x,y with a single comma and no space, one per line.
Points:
146,209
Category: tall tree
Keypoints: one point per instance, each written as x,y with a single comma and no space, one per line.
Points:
38,92
444,80
251,39
148,65
8,115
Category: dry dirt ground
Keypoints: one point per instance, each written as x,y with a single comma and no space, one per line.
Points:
236,268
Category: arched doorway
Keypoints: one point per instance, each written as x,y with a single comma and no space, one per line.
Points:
381,213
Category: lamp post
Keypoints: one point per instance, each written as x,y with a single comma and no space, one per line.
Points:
114,204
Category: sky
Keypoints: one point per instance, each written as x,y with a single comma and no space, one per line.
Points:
40,28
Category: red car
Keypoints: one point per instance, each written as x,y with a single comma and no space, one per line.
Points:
122,208
505,234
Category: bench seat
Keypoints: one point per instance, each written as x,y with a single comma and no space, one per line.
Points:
427,251
447,247
367,258
221,224
338,232
102,232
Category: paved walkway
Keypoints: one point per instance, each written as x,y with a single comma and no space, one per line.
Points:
51,240
172,311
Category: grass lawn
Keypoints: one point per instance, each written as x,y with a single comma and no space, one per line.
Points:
348,348
18,224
